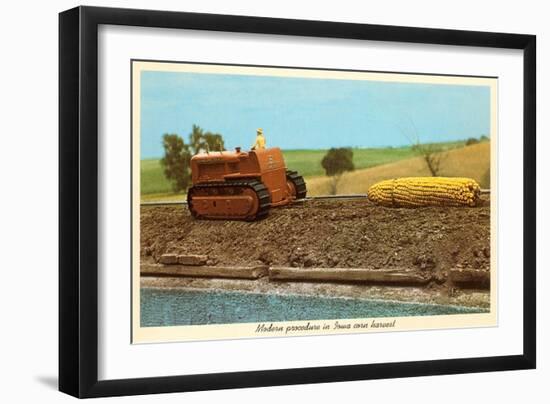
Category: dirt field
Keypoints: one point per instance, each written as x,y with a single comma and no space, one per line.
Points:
328,233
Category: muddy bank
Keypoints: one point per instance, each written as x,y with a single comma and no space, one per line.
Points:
430,295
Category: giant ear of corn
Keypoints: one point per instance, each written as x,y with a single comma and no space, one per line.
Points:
414,192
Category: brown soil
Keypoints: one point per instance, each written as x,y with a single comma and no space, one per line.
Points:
328,233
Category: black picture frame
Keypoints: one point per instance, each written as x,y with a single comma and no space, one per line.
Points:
78,200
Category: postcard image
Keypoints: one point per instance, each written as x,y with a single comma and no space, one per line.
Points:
280,201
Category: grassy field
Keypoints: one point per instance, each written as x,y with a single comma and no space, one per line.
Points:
155,186
152,178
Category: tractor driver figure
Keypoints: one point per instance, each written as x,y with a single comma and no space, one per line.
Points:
260,140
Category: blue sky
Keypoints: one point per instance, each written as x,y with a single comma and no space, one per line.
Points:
307,113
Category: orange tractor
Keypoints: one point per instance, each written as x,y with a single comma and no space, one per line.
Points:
241,185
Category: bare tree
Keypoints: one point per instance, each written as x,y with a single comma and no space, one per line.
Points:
432,154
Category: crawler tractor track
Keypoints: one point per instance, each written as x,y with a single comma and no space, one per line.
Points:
299,183
233,200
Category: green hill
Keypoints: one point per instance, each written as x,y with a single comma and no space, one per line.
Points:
154,184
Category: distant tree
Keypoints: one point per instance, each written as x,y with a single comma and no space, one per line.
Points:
483,138
471,141
196,140
201,141
335,163
175,162
214,141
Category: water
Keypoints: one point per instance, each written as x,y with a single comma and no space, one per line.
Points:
196,307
